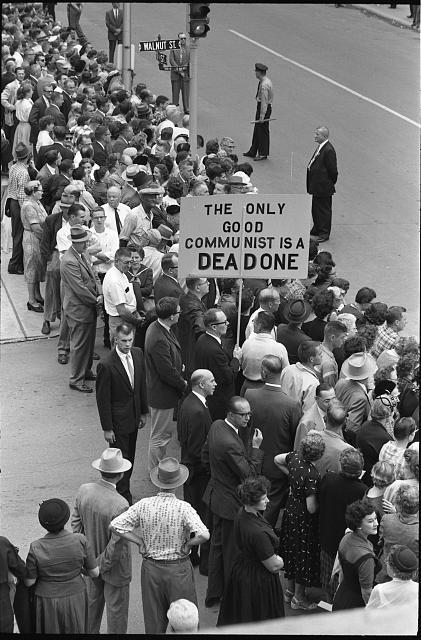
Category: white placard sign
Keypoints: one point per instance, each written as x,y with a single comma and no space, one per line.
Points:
250,235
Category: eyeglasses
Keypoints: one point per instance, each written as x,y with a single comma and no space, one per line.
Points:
224,322
239,413
126,261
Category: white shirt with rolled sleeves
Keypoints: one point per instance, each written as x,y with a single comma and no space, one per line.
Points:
108,240
116,289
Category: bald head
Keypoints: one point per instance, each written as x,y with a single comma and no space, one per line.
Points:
271,369
323,132
203,382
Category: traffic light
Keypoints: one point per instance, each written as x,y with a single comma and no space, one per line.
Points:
199,21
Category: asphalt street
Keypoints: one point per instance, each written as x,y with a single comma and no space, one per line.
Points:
368,97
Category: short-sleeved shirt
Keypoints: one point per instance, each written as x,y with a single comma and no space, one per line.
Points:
56,560
303,476
116,290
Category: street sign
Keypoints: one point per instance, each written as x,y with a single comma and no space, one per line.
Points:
159,45
245,235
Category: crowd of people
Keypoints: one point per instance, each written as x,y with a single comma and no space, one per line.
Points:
296,428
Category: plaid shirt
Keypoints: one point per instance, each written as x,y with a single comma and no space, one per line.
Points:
390,452
18,178
386,339
165,524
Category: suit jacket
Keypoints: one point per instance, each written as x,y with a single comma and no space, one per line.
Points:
50,226
189,327
277,416
119,145
165,384
79,288
175,61
37,111
323,172
65,107
166,286
100,153
356,402
65,153
370,439
230,464
97,503
45,176
59,119
193,424
112,23
119,404
209,354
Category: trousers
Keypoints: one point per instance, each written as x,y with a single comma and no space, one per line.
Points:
82,340
161,584
16,261
178,83
223,552
321,211
115,598
52,296
261,139
127,443
163,429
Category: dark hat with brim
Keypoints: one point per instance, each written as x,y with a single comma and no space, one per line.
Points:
173,209
141,179
22,151
53,514
143,111
259,66
169,474
297,310
404,559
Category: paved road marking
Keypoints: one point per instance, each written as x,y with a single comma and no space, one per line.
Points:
320,75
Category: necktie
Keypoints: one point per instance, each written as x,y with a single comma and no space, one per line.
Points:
131,370
313,157
115,14
117,221
258,89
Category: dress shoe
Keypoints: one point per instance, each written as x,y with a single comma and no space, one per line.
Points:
212,602
40,300
257,158
322,239
32,307
63,358
248,154
90,375
16,272
83,388
45,329
95,356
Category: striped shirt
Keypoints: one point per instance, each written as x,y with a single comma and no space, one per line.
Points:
165,524
18,178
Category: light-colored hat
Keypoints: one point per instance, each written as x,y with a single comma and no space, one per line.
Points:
79,233
153,189
358,366
125,159
130,151
241,174
130,172
169,474
165,232
112,461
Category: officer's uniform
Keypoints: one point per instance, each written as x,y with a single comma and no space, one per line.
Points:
264,96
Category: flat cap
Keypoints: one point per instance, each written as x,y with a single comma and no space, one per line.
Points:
260,67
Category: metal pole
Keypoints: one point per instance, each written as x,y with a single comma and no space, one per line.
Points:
193,97
127,75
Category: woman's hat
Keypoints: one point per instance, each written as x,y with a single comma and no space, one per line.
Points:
169,474
404,559
53,513
21,151
79,234
358,366
130,172
112,461
297,310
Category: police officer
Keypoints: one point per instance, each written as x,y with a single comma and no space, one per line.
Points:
259,149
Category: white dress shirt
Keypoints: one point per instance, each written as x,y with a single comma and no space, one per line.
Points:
110,222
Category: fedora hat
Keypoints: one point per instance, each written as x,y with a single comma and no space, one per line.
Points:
112,461
404,559
358,366
297,310
143,111
130,172
173,209
153,188
130,151
169,474
79,233
66,200
53,514
141,179
165,232
21,151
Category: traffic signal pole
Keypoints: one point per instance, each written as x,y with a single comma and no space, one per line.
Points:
193,96
127,75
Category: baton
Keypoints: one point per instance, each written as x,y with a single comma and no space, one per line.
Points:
261,121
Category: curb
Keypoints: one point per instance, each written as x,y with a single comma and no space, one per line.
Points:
374,10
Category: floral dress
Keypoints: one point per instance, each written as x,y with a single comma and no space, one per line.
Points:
300,546
32,212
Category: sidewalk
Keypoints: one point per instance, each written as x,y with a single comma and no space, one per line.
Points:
396,16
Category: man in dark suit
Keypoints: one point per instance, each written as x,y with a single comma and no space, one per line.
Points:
66,154
322,173
121,398
57,100
81,297
45,175
164,380
167,283
210,354
230,463
100,145
114,24
38,110
193,423
190,323
180,75
69,94
277,416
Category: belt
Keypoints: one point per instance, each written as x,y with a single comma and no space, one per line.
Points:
176,561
